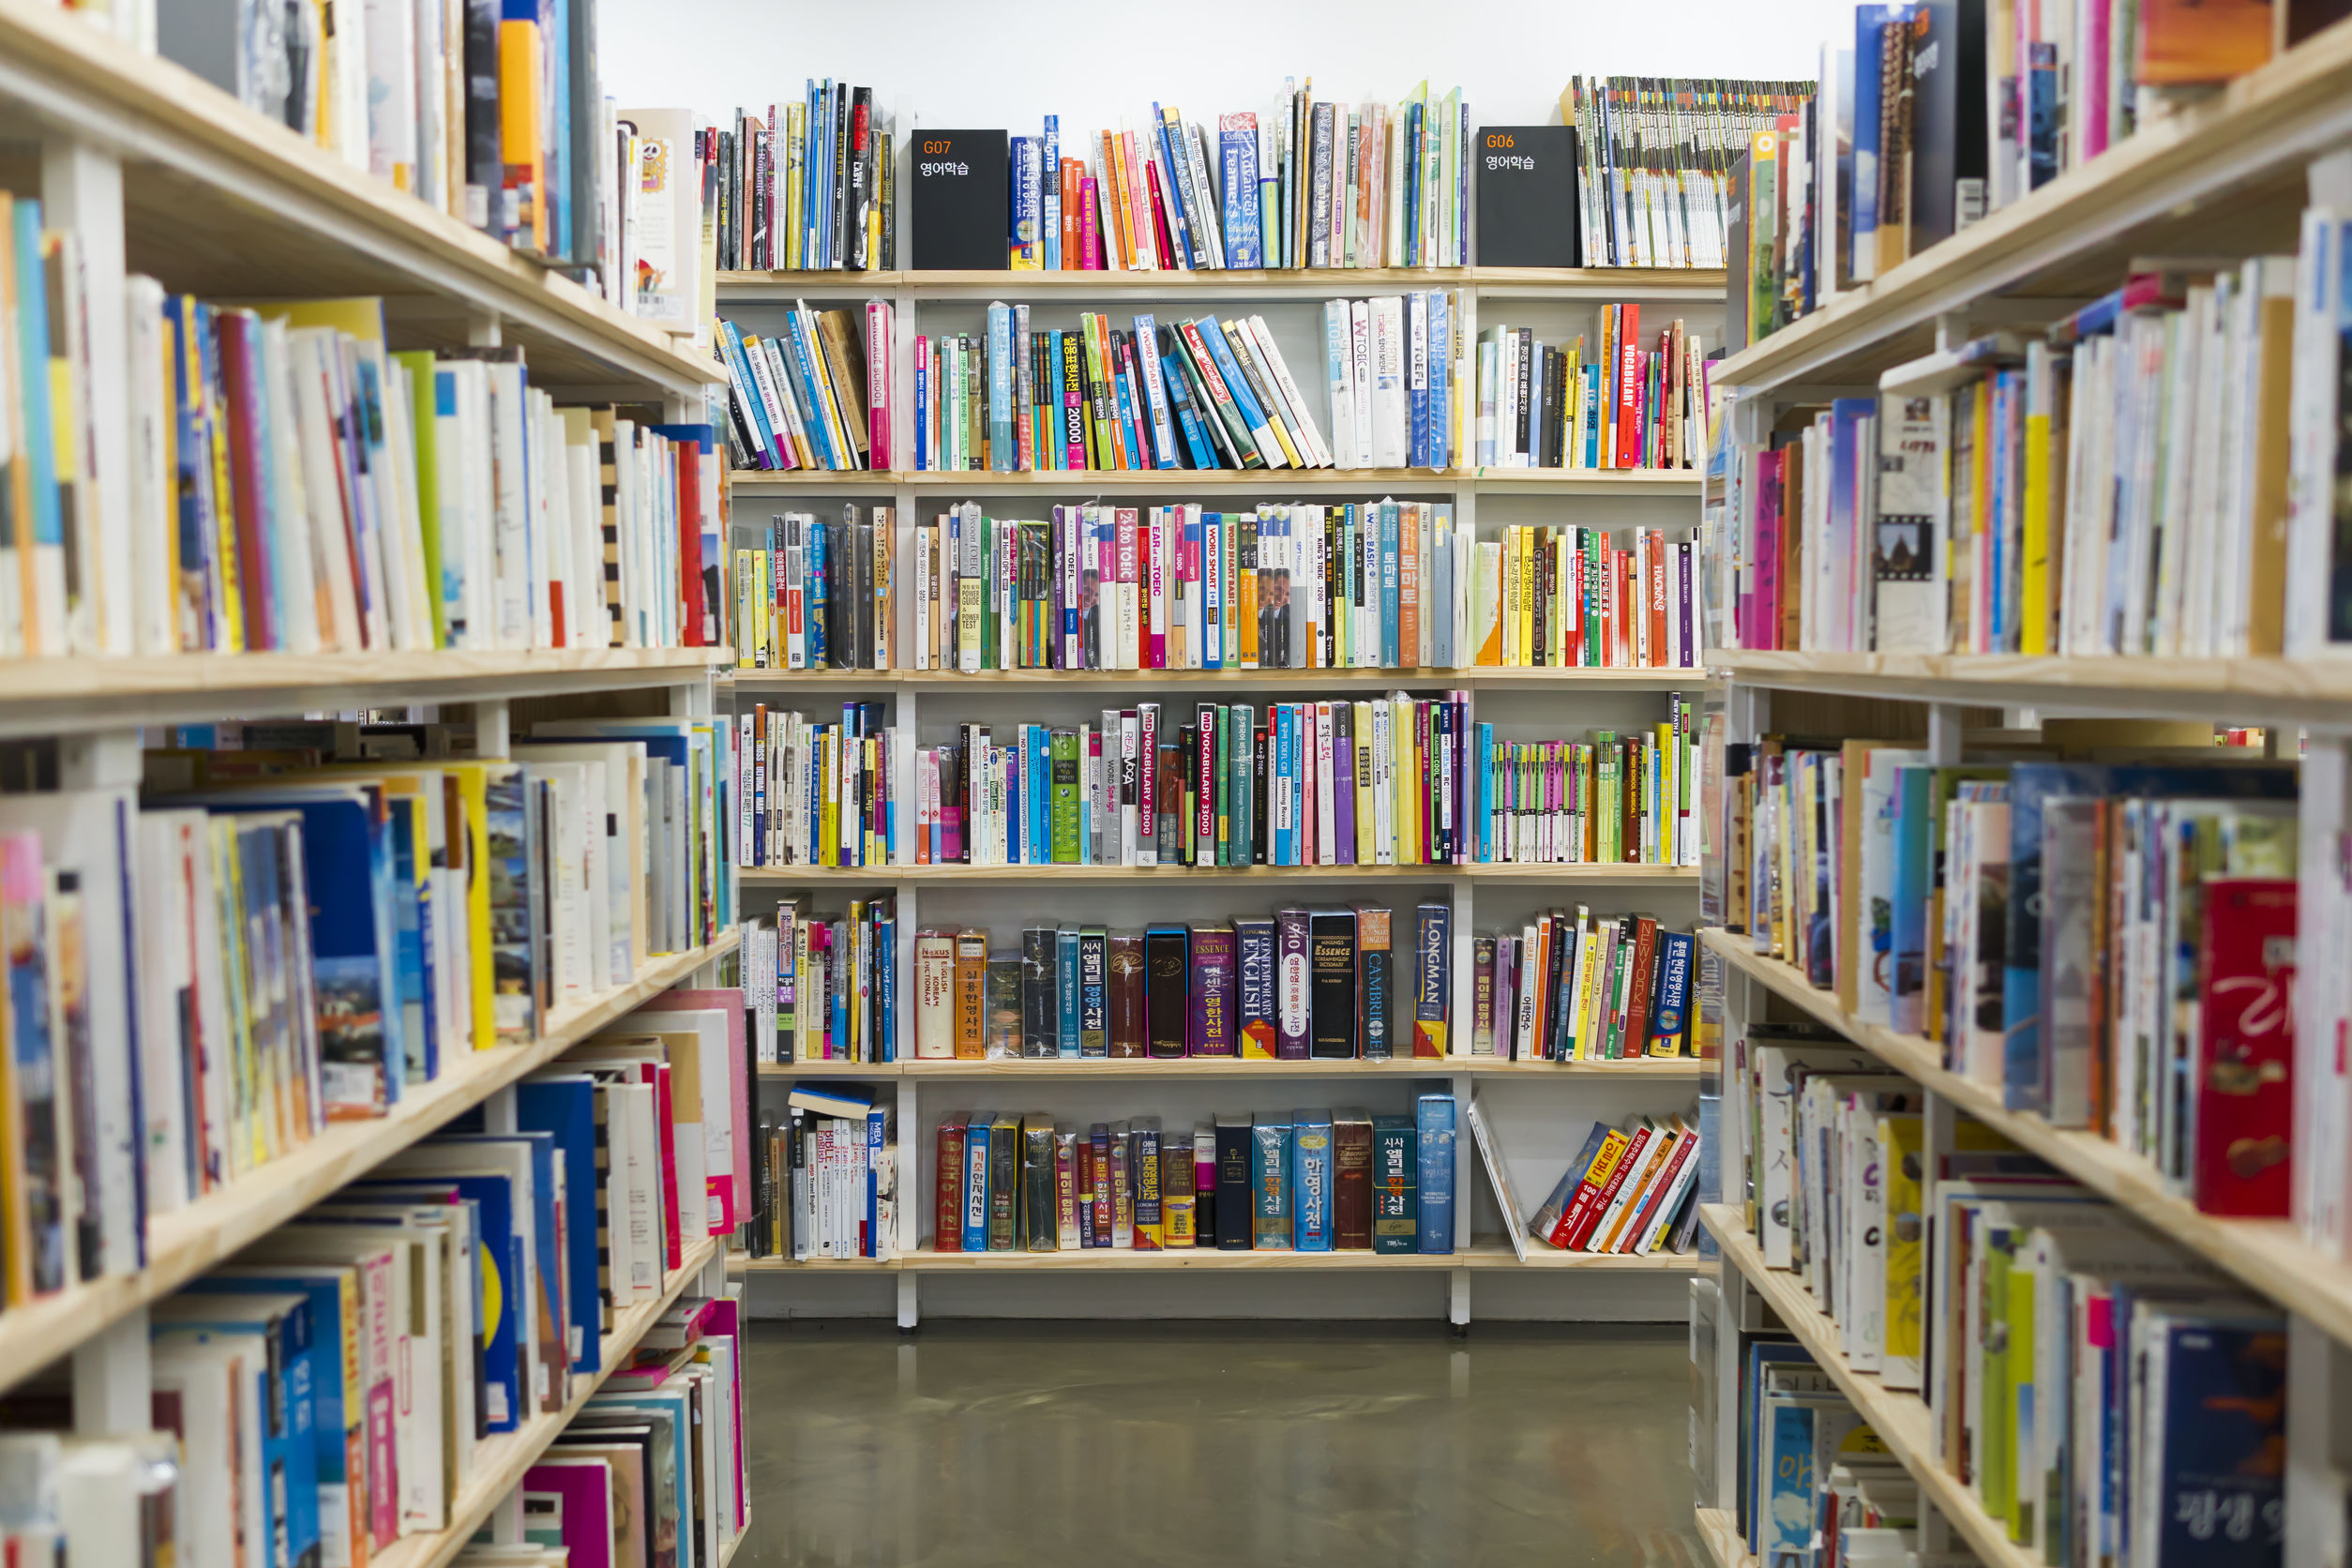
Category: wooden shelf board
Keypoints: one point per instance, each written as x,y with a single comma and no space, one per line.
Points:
1317,283
1719,1532
2238,690
1901,1420
1150,681
2269,1255
1677,1068
56,695
188,1241
813,876
2225,175
221,202
500,1461
1486,1253
1281,483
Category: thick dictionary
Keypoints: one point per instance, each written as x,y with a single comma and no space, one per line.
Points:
972,993
1394,1164
1065,992
1166,973
1351,1179
1178,1211
1311,1174
947,1219
1269,1182
978,1165
1253,943
1210,1017
1433,977
1332,983
1126,996
1433,1177
1004,1168
1038,1004
1235,1205
1040,1219
1093,992
934,995
1376,985
1145,1163
1291,985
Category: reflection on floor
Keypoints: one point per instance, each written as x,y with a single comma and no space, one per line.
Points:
1240,1444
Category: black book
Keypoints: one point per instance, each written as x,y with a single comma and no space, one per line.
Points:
1041,1019
1527,382
1167,988
485,165
1005,1172
1235,1205
1551,1031
841,151
1376,983
1259,748
961,194
861,177
1525,202
1948,152
1176,842
1331,984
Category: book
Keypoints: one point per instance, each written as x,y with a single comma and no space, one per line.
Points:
1395,1210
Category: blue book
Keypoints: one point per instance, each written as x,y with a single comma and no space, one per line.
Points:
1486,794
1762,1354
1270,1183
670,1407
1172,185
1038,795
976,1180
1147,366
33,358
878,1121
502,1380
1237,166
1051,165
886,986
1065,990
1669,1007
1390,614
1433,1167
1910,886
1593,426
545,1283
1787,1508
564,1108
802,363
1253,417
1001,448
2224,1426
1440,453
326,1420
1187,414
1418,350
289,1377
1020,223
1311,1178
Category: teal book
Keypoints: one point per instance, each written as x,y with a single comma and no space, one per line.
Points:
1395,1212
1064,803
1242,782
1270,1183
1311,1176
1433,1176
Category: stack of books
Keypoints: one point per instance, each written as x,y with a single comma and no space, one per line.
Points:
834,983
805,187
1632,1189
1306,182
297,488
1364,585
828,1176
1306,1181
1654,162
816,396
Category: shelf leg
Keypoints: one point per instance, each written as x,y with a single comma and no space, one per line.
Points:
1457,1301
498,1113
492,733
1726,1424
2318,1446
1943,733
482,329
506,1520
111,1385
909,1235
909,1319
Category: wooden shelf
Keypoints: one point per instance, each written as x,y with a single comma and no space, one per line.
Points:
868,876
1149,682
1316,283
185,1242
2226,175
1719,1532
1274,483
1901,1420
220,201
2236,690
2269,1255
500,1461
1486,1253
1648,1068
60,696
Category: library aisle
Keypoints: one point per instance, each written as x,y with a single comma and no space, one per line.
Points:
1296,1443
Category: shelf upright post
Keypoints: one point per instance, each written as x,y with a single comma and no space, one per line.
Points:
1462,989
1465,1200
482,329
82,193
112,1379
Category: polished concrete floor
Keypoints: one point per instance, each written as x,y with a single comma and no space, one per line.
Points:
1218,1443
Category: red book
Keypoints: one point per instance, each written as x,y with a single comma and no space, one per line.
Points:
666,1130
1602,1149
1159,217
1646,1213
690,544
947,1219
2245,1104
1629,374
1658,558
241,385
1628,1164
1637,1037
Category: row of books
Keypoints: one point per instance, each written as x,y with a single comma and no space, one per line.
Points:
1383,584
1631,1190
653,1469
2126,484
809,186
326,1393
1615,405
2046,1338
828,1179
317,935
1937,116
1389,781
1814,1468
1309,1180
497,120
2026,914
1307,183
296,488
1200,394
1654,160
816,396
1572,985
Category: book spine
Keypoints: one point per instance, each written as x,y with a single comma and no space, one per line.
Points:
947,1224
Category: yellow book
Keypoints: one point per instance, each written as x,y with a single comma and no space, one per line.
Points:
1405,781
1485,599
1591,1006
1507,585
521,75
2041,508
1527,587
1367,852
828,810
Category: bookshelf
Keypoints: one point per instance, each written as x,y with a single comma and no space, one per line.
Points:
1719,1532
2231,691
1144,683
502,1460
1315,283
865,876
1284,483
1673,1068
1487,1252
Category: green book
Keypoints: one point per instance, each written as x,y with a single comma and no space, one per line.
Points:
1243,783
1224,764
1395,1207
1063,803
988,593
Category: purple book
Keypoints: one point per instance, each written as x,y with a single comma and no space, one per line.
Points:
1255,942
1208,1021
571,1498
1057,540
1207,720
1343,781
1291,985
1506,996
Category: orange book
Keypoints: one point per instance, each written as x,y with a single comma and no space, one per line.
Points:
1657,553
1110,187
972,982
1409,587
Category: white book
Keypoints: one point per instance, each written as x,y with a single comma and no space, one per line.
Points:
1360,343
1339,361
1295,412
1385,719
1326,831
1132,813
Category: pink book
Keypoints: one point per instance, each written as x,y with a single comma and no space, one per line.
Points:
733,1192
673,1249
574,1496
1090,230
1159,215
1155,600
1124,575
1138,217
879,403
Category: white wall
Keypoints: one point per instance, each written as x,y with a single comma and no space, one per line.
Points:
961,63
